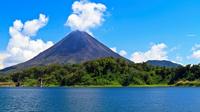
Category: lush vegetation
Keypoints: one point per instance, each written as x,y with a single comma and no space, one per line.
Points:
105,72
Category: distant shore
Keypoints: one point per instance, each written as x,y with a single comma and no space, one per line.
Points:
10,84
178,84
110,86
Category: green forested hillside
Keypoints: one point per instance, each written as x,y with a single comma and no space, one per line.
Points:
104,72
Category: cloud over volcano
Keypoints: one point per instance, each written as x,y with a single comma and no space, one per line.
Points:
86,15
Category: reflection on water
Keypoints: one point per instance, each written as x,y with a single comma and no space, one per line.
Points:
99,99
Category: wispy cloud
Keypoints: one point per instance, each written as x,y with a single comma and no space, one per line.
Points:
121,52
178,59
191,35
195,52
114,49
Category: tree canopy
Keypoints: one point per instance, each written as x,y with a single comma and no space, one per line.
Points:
105,71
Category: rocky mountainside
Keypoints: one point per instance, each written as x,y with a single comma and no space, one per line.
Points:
77,47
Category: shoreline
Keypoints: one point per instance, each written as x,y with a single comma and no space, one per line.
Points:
94,86
12,85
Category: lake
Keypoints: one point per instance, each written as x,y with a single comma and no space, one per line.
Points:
169,99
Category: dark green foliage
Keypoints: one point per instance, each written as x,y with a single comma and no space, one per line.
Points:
4,78
105,71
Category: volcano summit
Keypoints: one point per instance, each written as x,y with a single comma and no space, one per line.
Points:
77,47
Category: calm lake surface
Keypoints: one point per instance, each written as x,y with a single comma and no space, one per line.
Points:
170,99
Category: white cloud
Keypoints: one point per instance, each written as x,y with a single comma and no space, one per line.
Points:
195,52
156,52
114,49
32,27
2,57
196,47
86,15
21,47
123,53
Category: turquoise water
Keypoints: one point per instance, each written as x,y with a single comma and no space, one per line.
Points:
100,99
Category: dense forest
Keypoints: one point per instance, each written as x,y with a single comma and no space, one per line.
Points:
104,72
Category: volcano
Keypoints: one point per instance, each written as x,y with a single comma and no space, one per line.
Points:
76,47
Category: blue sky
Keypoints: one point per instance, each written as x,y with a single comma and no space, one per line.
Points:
130,25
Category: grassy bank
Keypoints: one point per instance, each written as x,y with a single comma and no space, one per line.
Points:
110,86
177,84
188,83
154,85
11,84
7,84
